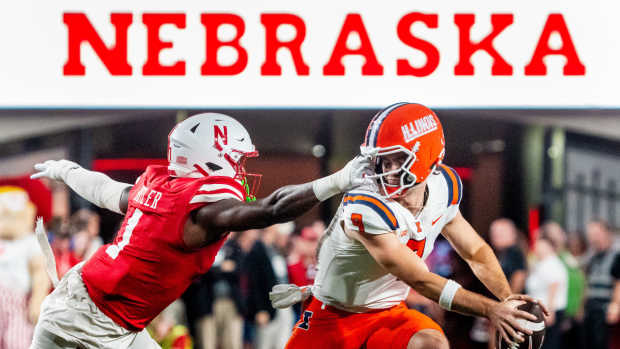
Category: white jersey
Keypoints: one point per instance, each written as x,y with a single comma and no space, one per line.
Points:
15,256
348,277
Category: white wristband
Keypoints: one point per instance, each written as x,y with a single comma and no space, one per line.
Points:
447,294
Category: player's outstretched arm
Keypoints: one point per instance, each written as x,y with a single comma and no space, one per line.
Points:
478,255
401,262
93,186
282,205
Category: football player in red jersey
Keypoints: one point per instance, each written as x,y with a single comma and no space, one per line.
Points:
177,218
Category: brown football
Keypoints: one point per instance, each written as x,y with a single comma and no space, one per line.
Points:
534,341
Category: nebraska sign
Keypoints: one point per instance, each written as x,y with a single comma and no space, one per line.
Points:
81,31
355,54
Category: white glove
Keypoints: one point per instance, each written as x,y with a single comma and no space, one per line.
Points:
354,174
93,186
54,169
284,295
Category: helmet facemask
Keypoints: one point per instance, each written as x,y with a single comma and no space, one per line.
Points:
237,159
407,179
249,181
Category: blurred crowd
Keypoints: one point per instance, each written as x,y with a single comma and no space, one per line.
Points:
576,274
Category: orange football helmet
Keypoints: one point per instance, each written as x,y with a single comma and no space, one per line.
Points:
409,128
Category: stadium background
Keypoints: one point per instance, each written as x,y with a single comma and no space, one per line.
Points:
530,147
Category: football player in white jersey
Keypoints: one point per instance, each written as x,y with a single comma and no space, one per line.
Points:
375,248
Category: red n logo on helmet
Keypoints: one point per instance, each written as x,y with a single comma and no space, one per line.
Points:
219,134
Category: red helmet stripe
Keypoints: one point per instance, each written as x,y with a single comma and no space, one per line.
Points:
199,169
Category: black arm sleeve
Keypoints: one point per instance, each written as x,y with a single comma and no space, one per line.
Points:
124,202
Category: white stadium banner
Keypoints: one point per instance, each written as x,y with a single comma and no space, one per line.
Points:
282,53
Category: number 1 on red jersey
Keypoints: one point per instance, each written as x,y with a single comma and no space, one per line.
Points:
114,250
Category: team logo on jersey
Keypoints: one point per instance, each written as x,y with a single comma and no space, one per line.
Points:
304,325
419,127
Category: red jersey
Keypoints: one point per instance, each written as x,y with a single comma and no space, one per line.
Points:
148,265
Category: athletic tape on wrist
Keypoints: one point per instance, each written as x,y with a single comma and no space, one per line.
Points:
447,294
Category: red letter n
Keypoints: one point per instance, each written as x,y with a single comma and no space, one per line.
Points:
573,66
153,23
81,30
211,22
467,48
353,23
404,34
272,44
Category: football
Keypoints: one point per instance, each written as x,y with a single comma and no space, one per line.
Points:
533,341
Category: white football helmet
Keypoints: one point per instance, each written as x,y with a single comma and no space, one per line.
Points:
210,144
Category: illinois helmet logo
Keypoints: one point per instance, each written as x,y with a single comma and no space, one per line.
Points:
419,127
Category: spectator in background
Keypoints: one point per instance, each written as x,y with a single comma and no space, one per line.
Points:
504,240
246,240
167,329
266,267
602,305
301,262
23,280
214,304
576,283
302,259
61,242
223,327
85,232
283,239
578,247
548,282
